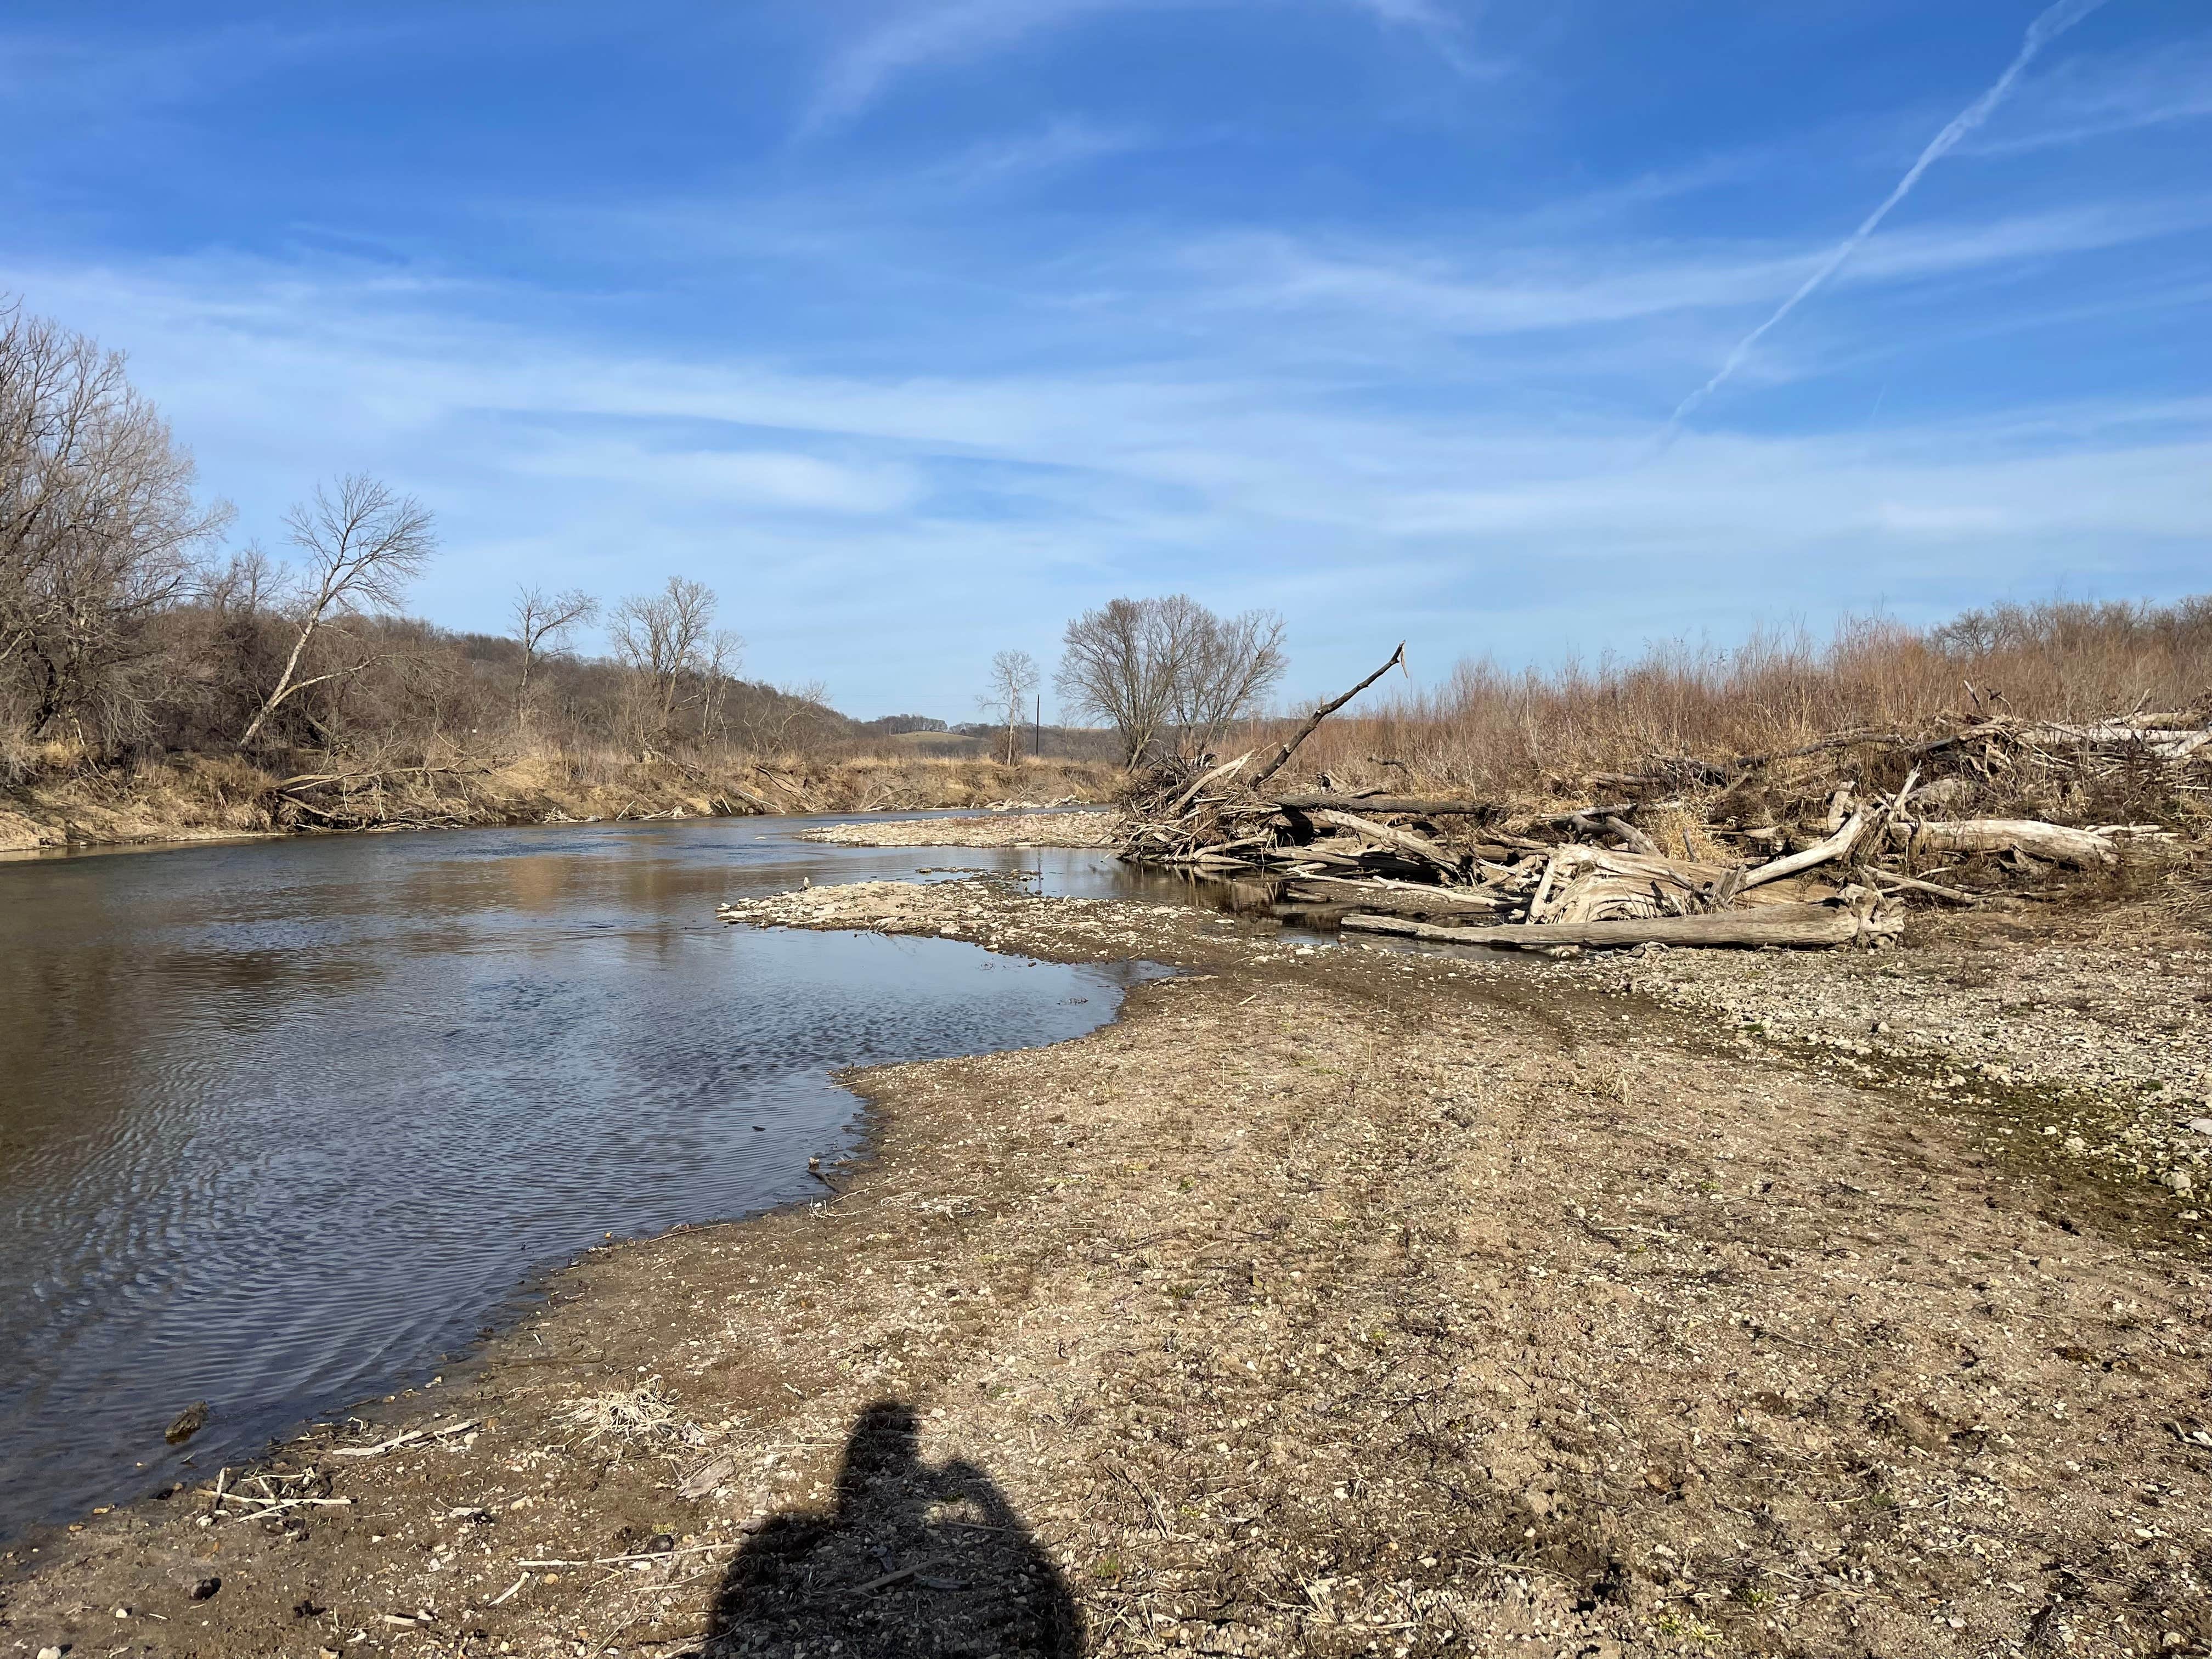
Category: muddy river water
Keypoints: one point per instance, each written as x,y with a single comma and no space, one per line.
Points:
283,1123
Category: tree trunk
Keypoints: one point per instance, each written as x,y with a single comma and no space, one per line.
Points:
2079,848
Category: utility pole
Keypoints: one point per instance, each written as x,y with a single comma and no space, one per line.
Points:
1036,735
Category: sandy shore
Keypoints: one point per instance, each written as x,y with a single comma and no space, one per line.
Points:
1336,1300
998,829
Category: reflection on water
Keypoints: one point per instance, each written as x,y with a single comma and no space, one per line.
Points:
281,1123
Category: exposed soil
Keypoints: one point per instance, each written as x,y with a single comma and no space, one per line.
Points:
1336,1300
1007,829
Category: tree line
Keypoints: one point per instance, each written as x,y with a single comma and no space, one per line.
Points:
126,627
129,626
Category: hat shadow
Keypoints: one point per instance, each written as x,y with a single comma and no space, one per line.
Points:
916,1559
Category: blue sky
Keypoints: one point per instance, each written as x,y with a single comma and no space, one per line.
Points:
914,326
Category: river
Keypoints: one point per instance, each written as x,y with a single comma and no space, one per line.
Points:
284,1123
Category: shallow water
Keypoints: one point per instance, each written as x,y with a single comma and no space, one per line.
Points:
283,1123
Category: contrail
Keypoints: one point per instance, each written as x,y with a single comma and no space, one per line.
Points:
2041,33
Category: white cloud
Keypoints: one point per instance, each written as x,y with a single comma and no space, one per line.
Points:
923,35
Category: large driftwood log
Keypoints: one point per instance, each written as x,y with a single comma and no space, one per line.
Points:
1769,924
2081,849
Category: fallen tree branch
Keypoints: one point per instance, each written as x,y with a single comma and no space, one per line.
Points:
1411,805
1819,853
1770,924
1914,884
1176,807
1313,720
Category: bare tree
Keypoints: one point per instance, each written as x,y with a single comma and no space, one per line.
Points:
1233,664
1145,666
1013,676
98,531
724,651
1118,665
362,544
664,639
544,623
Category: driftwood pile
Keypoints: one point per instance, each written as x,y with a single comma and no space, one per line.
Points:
1639,867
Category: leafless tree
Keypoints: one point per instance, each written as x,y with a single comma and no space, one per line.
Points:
664,639
98,531
1014,675
1118,665
543,623
362,545
784,717
725,652
1146,666
1234,663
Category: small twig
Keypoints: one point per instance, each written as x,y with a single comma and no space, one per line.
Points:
894,1578
620,1560
408,1439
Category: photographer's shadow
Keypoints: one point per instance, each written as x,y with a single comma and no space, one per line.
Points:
916,1560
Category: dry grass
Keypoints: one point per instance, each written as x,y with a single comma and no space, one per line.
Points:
56,799
643,1414
1490,729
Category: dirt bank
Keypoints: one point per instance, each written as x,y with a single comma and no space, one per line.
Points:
1336,1301
1000,829
194,798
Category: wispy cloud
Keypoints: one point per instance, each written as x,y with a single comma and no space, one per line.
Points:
1509,290
1064,142
2100,96
930,36
935,34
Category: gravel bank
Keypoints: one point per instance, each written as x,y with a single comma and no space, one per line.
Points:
1334,1301
1006,830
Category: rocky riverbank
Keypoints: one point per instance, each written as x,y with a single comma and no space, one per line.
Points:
1337,1300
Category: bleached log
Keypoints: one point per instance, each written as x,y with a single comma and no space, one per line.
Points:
1404,898
1819,853
1769,924
1387,836
2080,849
1176,807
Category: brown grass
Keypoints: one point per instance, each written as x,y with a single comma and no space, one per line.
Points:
58,800
1492,729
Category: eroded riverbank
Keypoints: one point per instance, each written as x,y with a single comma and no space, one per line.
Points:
1334,1301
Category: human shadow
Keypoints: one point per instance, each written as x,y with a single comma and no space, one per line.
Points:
917,1561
